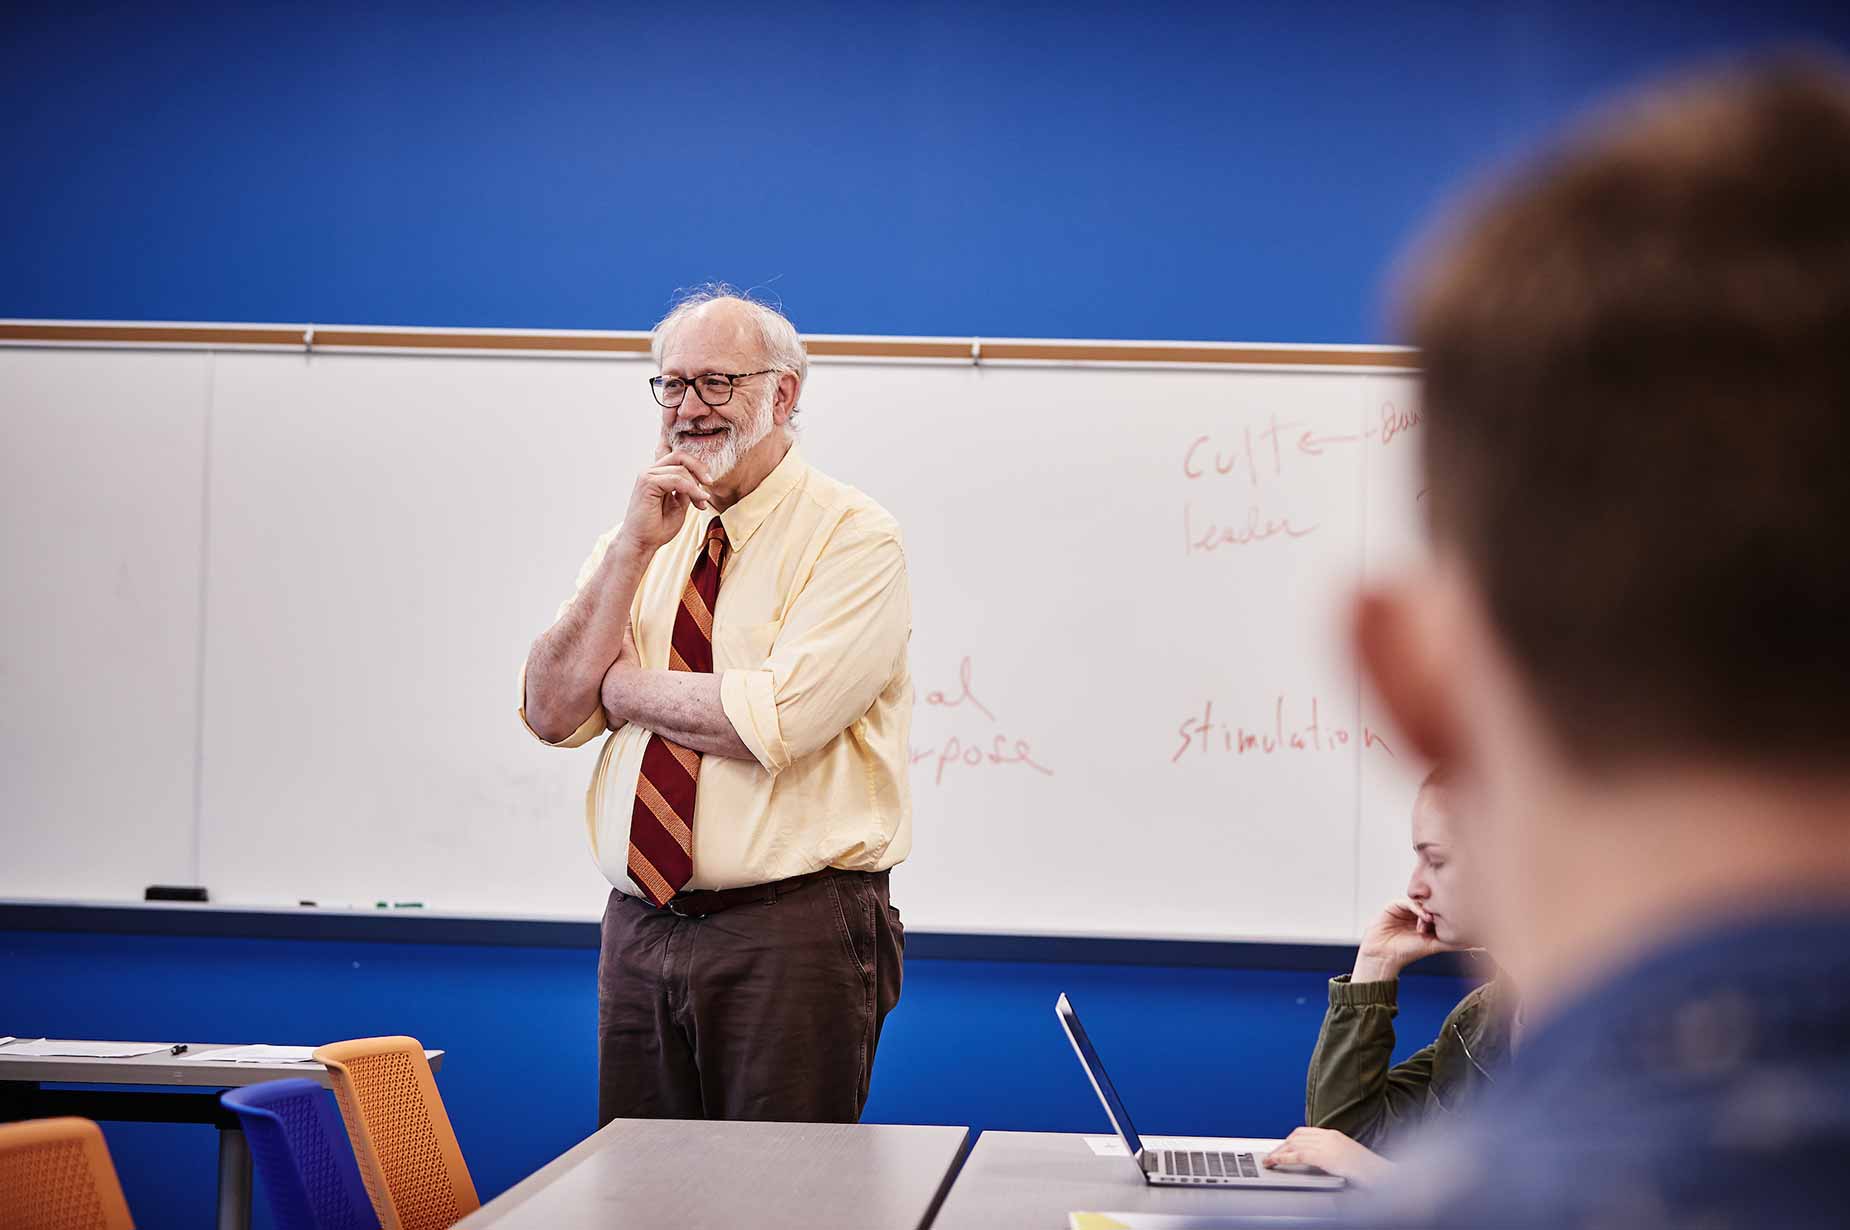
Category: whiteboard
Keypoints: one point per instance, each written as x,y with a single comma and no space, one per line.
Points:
100,546
1139,576
1136,713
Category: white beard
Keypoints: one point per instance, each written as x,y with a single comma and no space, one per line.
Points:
722,455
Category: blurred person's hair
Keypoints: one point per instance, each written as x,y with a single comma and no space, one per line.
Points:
1637,412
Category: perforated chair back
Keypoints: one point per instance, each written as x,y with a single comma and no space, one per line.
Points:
55,1174
302,1157
409,1160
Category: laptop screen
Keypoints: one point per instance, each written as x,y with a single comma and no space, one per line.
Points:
1088,1057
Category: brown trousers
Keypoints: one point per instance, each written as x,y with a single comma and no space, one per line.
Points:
768,1010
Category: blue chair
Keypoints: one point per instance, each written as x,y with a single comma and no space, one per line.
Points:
300,1150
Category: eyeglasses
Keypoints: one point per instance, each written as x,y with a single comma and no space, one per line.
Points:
714,388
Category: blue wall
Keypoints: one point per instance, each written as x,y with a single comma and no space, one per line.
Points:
1195,1051
1222,171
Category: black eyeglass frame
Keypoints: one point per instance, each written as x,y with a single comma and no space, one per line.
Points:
732,381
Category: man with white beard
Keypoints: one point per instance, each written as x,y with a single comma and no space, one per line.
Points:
742,636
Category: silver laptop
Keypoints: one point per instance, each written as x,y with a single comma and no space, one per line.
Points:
1184,1161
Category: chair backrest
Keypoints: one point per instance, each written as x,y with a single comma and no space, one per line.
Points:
302,1156
409,1159
55,1174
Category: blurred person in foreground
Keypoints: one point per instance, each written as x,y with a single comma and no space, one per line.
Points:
1632,646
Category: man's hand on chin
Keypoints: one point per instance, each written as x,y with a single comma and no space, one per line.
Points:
659,502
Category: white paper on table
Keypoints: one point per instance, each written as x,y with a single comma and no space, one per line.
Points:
1108,1146
88,1050
4,1041
256,1053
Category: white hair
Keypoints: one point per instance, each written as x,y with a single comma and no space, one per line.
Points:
783,348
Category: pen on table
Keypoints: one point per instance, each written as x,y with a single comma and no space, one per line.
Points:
177,1048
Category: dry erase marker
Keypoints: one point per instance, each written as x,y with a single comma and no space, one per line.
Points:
178,1047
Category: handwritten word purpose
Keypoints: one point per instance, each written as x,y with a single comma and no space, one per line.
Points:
972,751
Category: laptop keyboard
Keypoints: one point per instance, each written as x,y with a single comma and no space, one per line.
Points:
1185,1164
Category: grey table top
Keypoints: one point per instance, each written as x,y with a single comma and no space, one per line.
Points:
1032,1180
698,1174
162,1068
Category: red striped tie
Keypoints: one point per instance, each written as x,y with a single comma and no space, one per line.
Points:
662,820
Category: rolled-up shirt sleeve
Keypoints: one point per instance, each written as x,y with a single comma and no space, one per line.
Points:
840,645
594,725
588,730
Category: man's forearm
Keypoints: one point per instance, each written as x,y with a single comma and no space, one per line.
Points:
681,706
566,667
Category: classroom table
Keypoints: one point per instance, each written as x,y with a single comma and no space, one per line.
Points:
696,1174
168,1089
1032,1180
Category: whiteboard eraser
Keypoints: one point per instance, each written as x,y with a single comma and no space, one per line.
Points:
174,892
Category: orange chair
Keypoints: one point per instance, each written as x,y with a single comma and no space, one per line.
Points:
408,1155
55,1174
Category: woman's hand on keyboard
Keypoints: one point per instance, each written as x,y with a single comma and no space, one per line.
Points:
1331,1152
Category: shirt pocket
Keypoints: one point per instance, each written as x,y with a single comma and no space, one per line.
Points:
744,647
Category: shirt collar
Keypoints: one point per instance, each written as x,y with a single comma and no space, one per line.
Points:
743,519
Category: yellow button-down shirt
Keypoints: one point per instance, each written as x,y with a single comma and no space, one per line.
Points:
809,641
